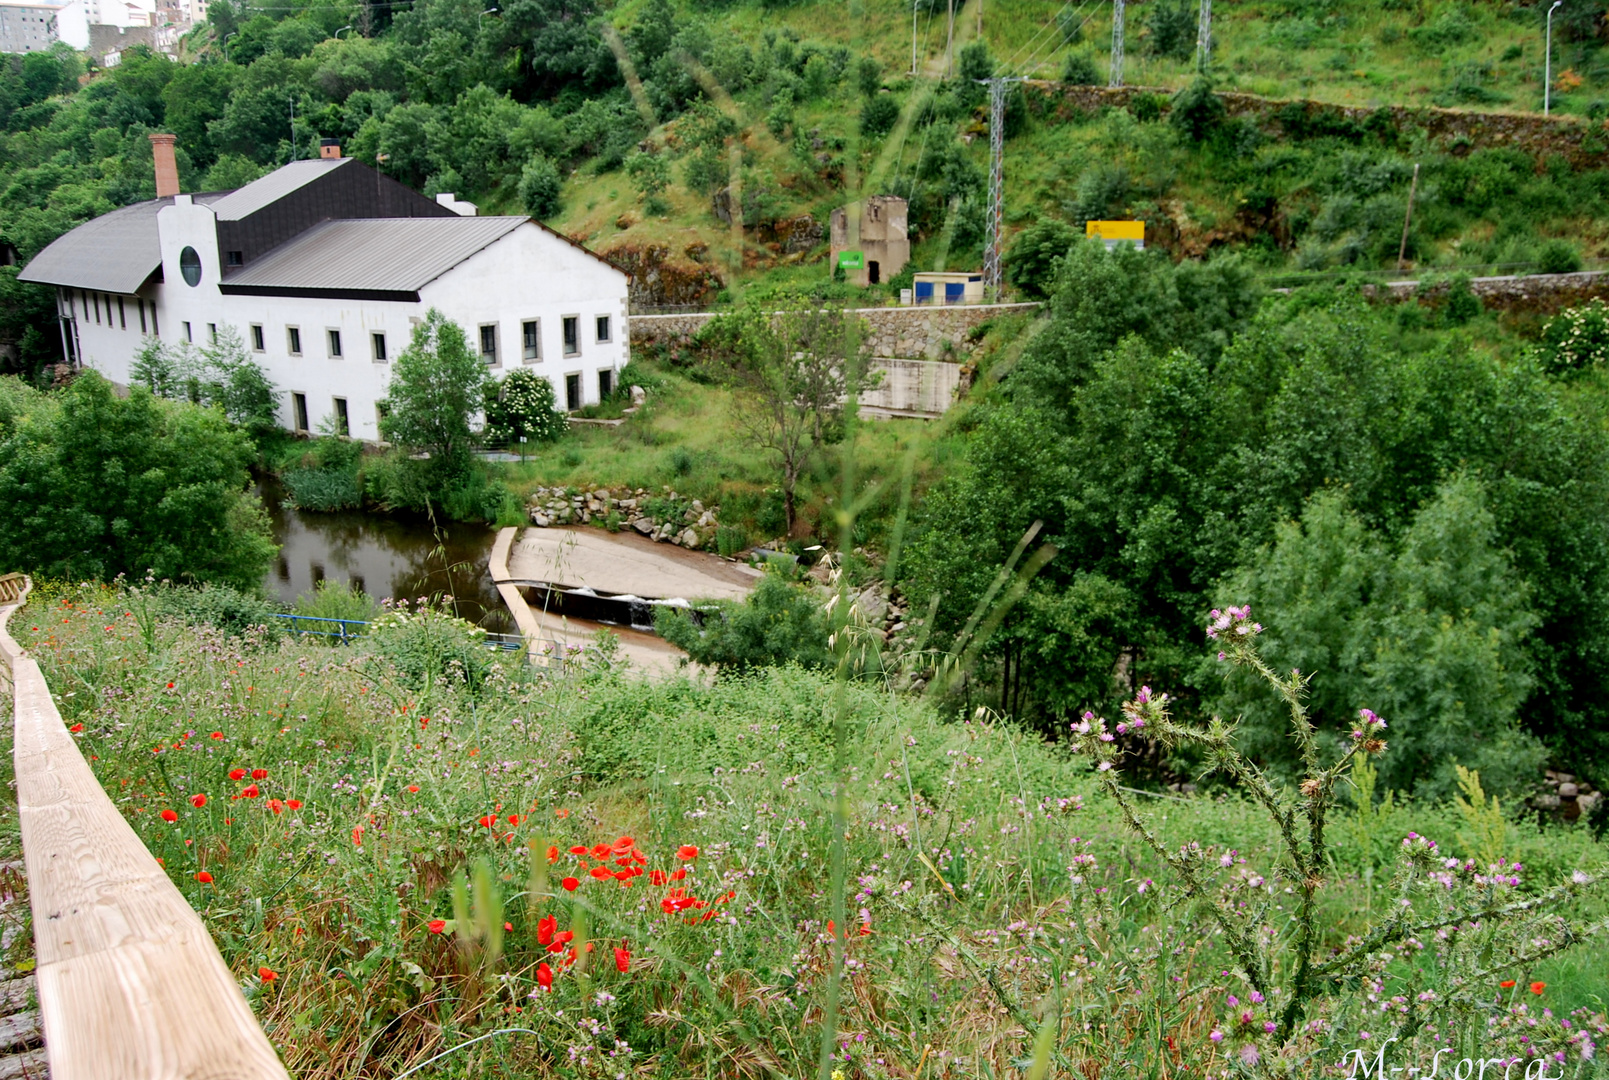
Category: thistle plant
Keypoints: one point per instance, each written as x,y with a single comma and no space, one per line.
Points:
1434,962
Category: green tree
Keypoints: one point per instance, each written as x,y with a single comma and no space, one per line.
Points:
437,385
95,485
650,174
778,624
539,187
1031,260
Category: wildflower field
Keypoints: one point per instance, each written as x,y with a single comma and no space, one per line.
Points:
405,845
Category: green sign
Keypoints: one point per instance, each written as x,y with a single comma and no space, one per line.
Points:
852,260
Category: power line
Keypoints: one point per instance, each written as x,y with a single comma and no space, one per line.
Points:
1035,60
1116,78
1011,64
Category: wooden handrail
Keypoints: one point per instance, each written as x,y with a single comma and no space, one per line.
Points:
131,985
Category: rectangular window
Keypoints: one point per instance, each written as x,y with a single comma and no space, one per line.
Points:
97,297
122,315
212,332
603,328
378,341
84,299
299,406
257,343
606,383
379,419
488,343
531,339
572,392
187,335
155,329
572,335
236,258
142,314
342,427
293,340
335,343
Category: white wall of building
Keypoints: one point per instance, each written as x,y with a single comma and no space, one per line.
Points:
528,275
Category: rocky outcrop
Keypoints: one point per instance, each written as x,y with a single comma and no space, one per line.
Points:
661,278
1581,142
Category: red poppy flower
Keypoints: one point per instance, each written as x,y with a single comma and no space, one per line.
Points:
687,852
169,816
204,877
624,843
601,851
259,774
76,728
1538,987
508,927
579,849
1506,984
600,872
276,806
544,977
413,789
170,686
624,860
249,792
622,875
237,774
357,836
437,925
488,820
217,734
545,929
678,874
553,855
198,801
657,877
622,959
638,857
571,884
294,804
513,819
267,975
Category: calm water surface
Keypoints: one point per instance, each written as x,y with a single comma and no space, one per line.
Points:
385,556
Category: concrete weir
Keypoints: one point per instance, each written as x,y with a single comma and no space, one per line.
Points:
562,584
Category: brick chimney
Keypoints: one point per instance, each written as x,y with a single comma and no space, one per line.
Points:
329,149
167,170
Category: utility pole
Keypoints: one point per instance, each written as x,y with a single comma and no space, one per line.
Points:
949,45
295,154
1547,67
1402,252
1117,45
997,186
914,4
1204,36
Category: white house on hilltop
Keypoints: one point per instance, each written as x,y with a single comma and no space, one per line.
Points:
324,267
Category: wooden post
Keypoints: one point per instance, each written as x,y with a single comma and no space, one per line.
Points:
130,982
1402,252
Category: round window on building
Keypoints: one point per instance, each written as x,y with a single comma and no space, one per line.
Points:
190,266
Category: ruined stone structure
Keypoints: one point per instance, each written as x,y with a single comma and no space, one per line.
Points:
882,239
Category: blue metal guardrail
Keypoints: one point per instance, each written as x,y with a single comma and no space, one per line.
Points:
343,631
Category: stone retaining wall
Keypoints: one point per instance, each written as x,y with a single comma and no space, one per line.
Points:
1542,293
903,332
1582,142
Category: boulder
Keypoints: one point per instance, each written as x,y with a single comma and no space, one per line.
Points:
540,520
644,526
872,605
689,539
1568,791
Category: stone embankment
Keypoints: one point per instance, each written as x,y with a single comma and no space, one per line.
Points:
1541,293
666,517
1567,797
904,332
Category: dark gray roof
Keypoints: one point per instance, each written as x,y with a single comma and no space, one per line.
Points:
113,253
262,192
370,255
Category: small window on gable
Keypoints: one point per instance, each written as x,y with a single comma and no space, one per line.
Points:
293,340
142,314
212,332
531,338
488,343
377,340
257,343
335,342
603,328
188,336
572,335
122,316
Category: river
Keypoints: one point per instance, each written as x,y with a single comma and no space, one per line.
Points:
385,556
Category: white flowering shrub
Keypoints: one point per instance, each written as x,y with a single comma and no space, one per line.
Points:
522,406
1577,338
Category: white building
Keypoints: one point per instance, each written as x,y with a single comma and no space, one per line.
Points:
325,267
29,26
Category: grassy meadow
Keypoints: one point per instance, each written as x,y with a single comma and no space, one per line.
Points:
402,846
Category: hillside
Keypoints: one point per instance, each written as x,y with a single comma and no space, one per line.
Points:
542,106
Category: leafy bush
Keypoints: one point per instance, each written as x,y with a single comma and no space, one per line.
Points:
427,645
878,115
1079,70
231,610
778,624
1558,256
539,187
1197,111
1030,262
1171,30
337,600
522,408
